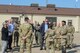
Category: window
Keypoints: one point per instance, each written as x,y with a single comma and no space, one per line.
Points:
15,19
52,19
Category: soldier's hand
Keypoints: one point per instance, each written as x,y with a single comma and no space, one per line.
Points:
23,38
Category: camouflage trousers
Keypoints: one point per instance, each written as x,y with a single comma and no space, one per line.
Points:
15,38
63,43
70,39
50,47
32,38
57,43
64,40
27,44
37,37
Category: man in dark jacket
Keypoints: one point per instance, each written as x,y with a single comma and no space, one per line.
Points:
4,37
43,29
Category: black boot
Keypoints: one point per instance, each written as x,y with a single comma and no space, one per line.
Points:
63,49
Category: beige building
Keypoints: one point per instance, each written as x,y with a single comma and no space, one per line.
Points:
37,13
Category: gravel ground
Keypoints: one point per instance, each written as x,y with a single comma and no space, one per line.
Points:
76,48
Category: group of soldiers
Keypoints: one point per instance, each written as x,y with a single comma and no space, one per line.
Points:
57,37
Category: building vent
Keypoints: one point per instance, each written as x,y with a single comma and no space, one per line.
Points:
51,6
56,9
34,5
39,8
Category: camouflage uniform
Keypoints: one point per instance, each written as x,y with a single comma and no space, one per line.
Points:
53,27
49,37
25,30
57,38
16,35
70,33
63,32
37,34
32,35
32,38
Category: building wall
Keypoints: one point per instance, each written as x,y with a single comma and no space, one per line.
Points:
78,17
40,18
26,15
4,17
75,19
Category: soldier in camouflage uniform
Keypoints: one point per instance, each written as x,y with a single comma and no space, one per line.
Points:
57,37
25,31
16,34
53,28
70,35
49,39
32,35
63,32
54,25
37,34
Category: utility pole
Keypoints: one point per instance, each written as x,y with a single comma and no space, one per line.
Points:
46,2
76,3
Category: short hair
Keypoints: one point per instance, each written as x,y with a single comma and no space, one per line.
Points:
26,19
64,21
6,21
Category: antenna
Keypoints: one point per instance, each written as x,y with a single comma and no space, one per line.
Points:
76,3
46,2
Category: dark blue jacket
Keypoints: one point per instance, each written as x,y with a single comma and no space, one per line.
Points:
4,32
42,28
